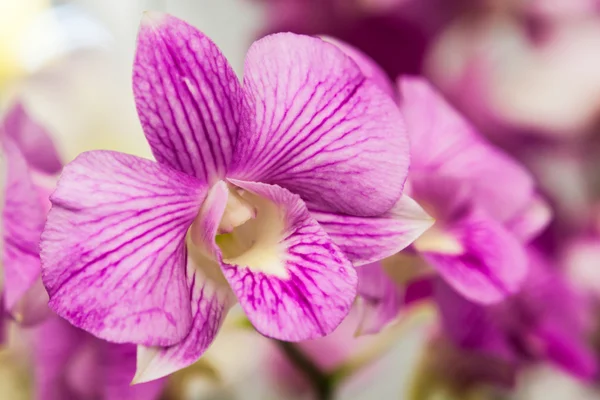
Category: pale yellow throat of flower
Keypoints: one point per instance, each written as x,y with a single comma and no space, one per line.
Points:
438,240
250,232
405,267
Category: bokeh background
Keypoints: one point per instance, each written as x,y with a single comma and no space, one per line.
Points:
525,72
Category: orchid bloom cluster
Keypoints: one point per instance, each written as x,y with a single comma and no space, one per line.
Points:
312,189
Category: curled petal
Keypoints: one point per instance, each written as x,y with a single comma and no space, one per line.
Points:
210,304
294,284
381,298
113,249
313,123
367,239
210,296
491,265
118,367
32,139
187,97
442,141
23,218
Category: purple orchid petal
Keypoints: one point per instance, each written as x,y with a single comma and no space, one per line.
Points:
23,219
56,343
364,240
568,351
443,142
381,298
210,304
118,367
32,139
366,64
539,323
491,265
32,307
113,249
210,295
532,220
470,325
313,123
293,283
71,364
187,97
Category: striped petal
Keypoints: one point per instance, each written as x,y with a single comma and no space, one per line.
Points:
293,283
364,240
23,218
210,303
210,296
489,263
187,97
314,124
113,250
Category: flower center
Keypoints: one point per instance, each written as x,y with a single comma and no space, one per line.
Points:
248,233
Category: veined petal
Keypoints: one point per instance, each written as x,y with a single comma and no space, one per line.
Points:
491,265
313,123
187,97
293,283
381,298
210,303
366,64
32,139
209,293
442,141
23,218
367,239
113,249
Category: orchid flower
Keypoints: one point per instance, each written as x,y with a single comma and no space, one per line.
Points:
70,363
485,208
264,193
480,348
546,321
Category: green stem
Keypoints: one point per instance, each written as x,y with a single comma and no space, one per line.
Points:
322,384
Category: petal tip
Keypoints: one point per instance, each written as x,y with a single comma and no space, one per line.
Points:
153,18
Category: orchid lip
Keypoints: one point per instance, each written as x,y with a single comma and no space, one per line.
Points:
248,234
